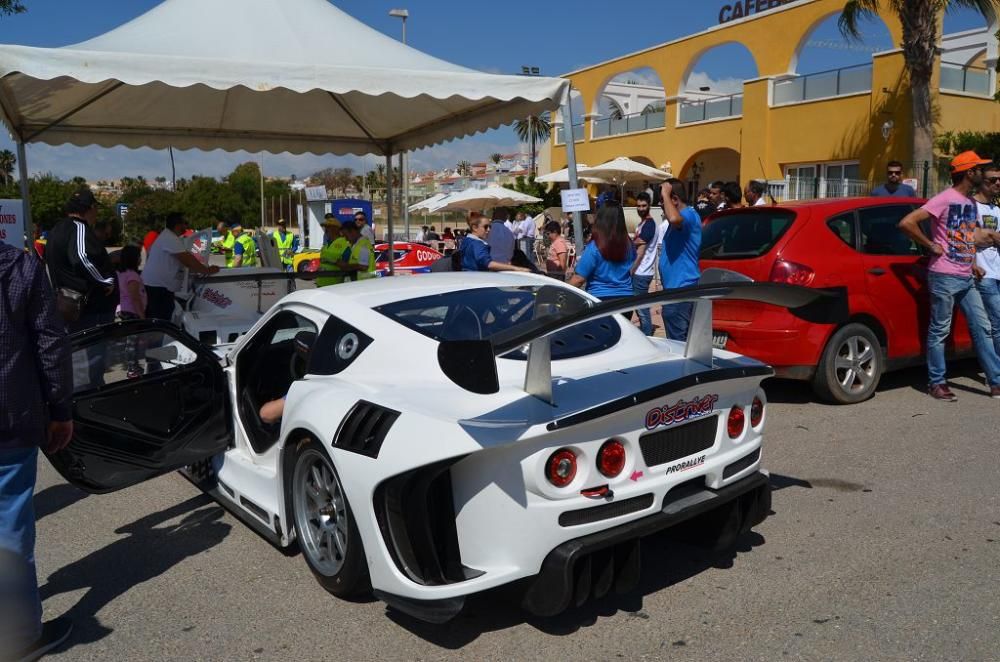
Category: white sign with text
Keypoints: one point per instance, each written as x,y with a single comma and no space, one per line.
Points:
316,193
575,199
12,222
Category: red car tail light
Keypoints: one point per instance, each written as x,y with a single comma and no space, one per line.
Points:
611,458
561,467
792,273
736,421
756,412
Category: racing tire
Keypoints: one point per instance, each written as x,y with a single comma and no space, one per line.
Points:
324,525
303,267
851,366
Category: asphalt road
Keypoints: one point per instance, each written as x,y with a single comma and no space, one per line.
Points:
884,545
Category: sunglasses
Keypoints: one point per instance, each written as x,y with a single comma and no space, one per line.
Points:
993,180
898,173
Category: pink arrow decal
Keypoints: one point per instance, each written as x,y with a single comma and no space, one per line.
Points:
636,475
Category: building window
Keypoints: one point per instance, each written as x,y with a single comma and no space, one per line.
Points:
836,179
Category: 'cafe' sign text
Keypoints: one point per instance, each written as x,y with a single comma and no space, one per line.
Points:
744,8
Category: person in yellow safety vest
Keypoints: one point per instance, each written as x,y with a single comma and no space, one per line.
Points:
244,248
226,243
334,251
284,241
362,257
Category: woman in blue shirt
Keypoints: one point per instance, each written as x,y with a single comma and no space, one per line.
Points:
475,250
606,264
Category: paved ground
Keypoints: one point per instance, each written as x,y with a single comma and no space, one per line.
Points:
884,544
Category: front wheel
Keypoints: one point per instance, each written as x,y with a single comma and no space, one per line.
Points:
325,526
851,367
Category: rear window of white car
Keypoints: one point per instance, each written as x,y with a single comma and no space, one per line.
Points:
480,313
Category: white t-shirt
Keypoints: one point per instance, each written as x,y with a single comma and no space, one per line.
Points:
366,232
647,267
526,230
163,269
988,259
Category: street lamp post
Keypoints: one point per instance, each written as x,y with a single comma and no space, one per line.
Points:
403,160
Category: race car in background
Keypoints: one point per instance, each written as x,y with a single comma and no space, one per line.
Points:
533,436
410,258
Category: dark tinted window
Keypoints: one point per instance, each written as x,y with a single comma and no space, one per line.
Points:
480,313
745,235
880,234
383,256
843,226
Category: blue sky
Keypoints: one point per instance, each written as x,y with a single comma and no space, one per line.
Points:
482,35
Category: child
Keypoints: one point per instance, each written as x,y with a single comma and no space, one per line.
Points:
132,305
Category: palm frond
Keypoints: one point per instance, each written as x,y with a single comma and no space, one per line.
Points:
855,12
989,9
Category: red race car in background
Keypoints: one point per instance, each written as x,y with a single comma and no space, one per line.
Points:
410,259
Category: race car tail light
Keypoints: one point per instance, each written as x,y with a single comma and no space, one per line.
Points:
611,458
756,412
792,273
561,467
736,421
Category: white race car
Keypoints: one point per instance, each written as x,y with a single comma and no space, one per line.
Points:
443,435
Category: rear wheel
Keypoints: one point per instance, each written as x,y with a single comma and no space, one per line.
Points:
851,367
325,526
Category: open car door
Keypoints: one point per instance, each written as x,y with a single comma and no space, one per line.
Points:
147,399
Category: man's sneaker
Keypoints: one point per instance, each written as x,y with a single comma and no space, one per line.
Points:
54,633
942,392
995,392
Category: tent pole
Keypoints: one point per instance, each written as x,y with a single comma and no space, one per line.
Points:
388,210
573,183
22,169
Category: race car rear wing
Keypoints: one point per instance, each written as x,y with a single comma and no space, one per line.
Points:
471,364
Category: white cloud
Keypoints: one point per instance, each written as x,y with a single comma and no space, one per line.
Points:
722,86
644,76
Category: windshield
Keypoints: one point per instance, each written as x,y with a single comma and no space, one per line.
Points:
747,235
383,256
480,313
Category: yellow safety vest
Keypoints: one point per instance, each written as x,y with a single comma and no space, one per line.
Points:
249,250
227,248
331,254
363,245
284,246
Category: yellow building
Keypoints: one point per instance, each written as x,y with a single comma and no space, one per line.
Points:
823,134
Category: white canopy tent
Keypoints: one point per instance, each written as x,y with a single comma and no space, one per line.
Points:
291,76
562,176
480,198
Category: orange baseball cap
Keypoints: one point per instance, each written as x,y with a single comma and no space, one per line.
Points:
966,161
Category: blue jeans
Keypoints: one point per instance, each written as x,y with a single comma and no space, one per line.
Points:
640,285
946,291
20,607
989,290
676,318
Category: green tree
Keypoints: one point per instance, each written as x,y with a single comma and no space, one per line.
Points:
245,181
7,163
529,186
8,7
533,130
148,213
919,19
205,201
49,195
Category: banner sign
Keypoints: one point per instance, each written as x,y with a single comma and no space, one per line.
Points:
744,8
575,199
12,223
316,193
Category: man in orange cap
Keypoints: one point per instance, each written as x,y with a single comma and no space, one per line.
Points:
955,234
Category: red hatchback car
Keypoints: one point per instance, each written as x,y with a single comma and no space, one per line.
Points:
850,243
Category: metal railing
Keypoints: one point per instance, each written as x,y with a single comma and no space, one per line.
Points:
710,109
612,126
578,136
824,85
958,78
809,188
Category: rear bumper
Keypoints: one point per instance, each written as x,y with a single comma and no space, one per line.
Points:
793,351
591,565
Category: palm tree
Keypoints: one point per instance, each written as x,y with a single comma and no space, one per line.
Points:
7,163
920,42
463,169
533,130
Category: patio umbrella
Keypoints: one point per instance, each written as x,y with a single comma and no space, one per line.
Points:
623,171
481,198
428,204
562,176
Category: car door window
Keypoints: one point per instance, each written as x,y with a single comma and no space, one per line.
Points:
844,228
880,233
117,358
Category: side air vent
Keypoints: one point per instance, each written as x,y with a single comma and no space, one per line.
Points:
364,428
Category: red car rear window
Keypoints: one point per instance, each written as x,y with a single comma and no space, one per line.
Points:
744,235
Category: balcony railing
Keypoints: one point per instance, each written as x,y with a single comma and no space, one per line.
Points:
956,78
578,136
710,109
823,85
611,126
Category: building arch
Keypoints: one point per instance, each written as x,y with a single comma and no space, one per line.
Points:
709,165
823,21
723,46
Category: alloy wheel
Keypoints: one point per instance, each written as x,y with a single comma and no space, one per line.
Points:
320,512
